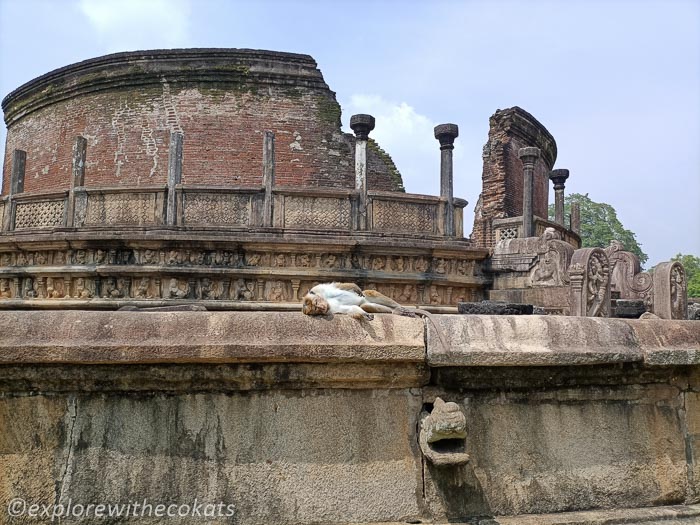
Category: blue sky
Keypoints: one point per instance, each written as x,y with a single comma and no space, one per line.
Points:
616,82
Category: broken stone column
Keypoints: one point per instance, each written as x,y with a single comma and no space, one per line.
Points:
361,125
268,175
575,218
446,134
78,178
19,160
174,175
528,156
558,177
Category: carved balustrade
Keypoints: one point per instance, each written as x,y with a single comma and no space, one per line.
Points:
225,207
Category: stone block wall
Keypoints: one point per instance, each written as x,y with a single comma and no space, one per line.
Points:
296,420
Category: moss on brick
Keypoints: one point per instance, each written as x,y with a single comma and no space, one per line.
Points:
328,110
391,168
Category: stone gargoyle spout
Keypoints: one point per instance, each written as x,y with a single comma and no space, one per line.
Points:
443,434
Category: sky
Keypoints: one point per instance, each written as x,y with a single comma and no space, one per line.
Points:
616,82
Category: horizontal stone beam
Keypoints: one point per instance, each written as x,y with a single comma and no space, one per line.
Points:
145,337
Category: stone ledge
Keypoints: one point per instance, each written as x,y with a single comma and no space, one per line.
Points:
87,337
673,515
480,340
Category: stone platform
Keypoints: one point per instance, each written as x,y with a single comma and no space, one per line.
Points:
300,420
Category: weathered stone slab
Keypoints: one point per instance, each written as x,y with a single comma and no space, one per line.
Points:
628,308
494,308
665,342
530,341
177,337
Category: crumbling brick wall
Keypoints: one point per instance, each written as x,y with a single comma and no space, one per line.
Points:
126,106
502,176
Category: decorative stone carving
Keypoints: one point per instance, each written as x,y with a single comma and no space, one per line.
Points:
670,291
54,288
82,289
277,292
626,277
144,289
553,257
217,209
5,289
317,212
177,289
434,297
402,216
589,274
243,290
115,288
121,208
45,214
209,289
443,434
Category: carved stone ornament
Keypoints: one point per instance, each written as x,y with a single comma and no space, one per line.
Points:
553,257
626,277
589,276
670,291
443,434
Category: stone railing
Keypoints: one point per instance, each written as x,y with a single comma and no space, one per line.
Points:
219,207
512,228
106,207
36,211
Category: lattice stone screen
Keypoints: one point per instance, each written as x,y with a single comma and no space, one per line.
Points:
217,209
317,212
507,233
403,217
44,214
121,208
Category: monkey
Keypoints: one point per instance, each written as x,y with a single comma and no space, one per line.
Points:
348,298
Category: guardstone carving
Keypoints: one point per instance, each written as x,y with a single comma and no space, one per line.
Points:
670,291
590,283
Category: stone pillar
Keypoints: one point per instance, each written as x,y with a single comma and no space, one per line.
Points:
268,175
19,161
558,177
361,125
446,134
528,156
174,175
575,218
78,177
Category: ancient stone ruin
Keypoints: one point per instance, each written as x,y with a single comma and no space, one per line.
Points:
163,214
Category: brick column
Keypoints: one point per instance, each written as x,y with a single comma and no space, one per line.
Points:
558,177
528,156
446,134
361,125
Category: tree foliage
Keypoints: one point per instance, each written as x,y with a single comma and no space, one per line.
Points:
691,263
600,225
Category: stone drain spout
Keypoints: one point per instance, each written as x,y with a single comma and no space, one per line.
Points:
443,435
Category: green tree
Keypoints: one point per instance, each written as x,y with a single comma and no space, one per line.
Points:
600,225
691,263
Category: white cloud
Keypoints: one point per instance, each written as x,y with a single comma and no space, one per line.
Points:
407,136
126,25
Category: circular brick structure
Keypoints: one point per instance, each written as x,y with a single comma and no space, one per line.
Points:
126,105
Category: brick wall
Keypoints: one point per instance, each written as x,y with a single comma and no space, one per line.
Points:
128,123
502,175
